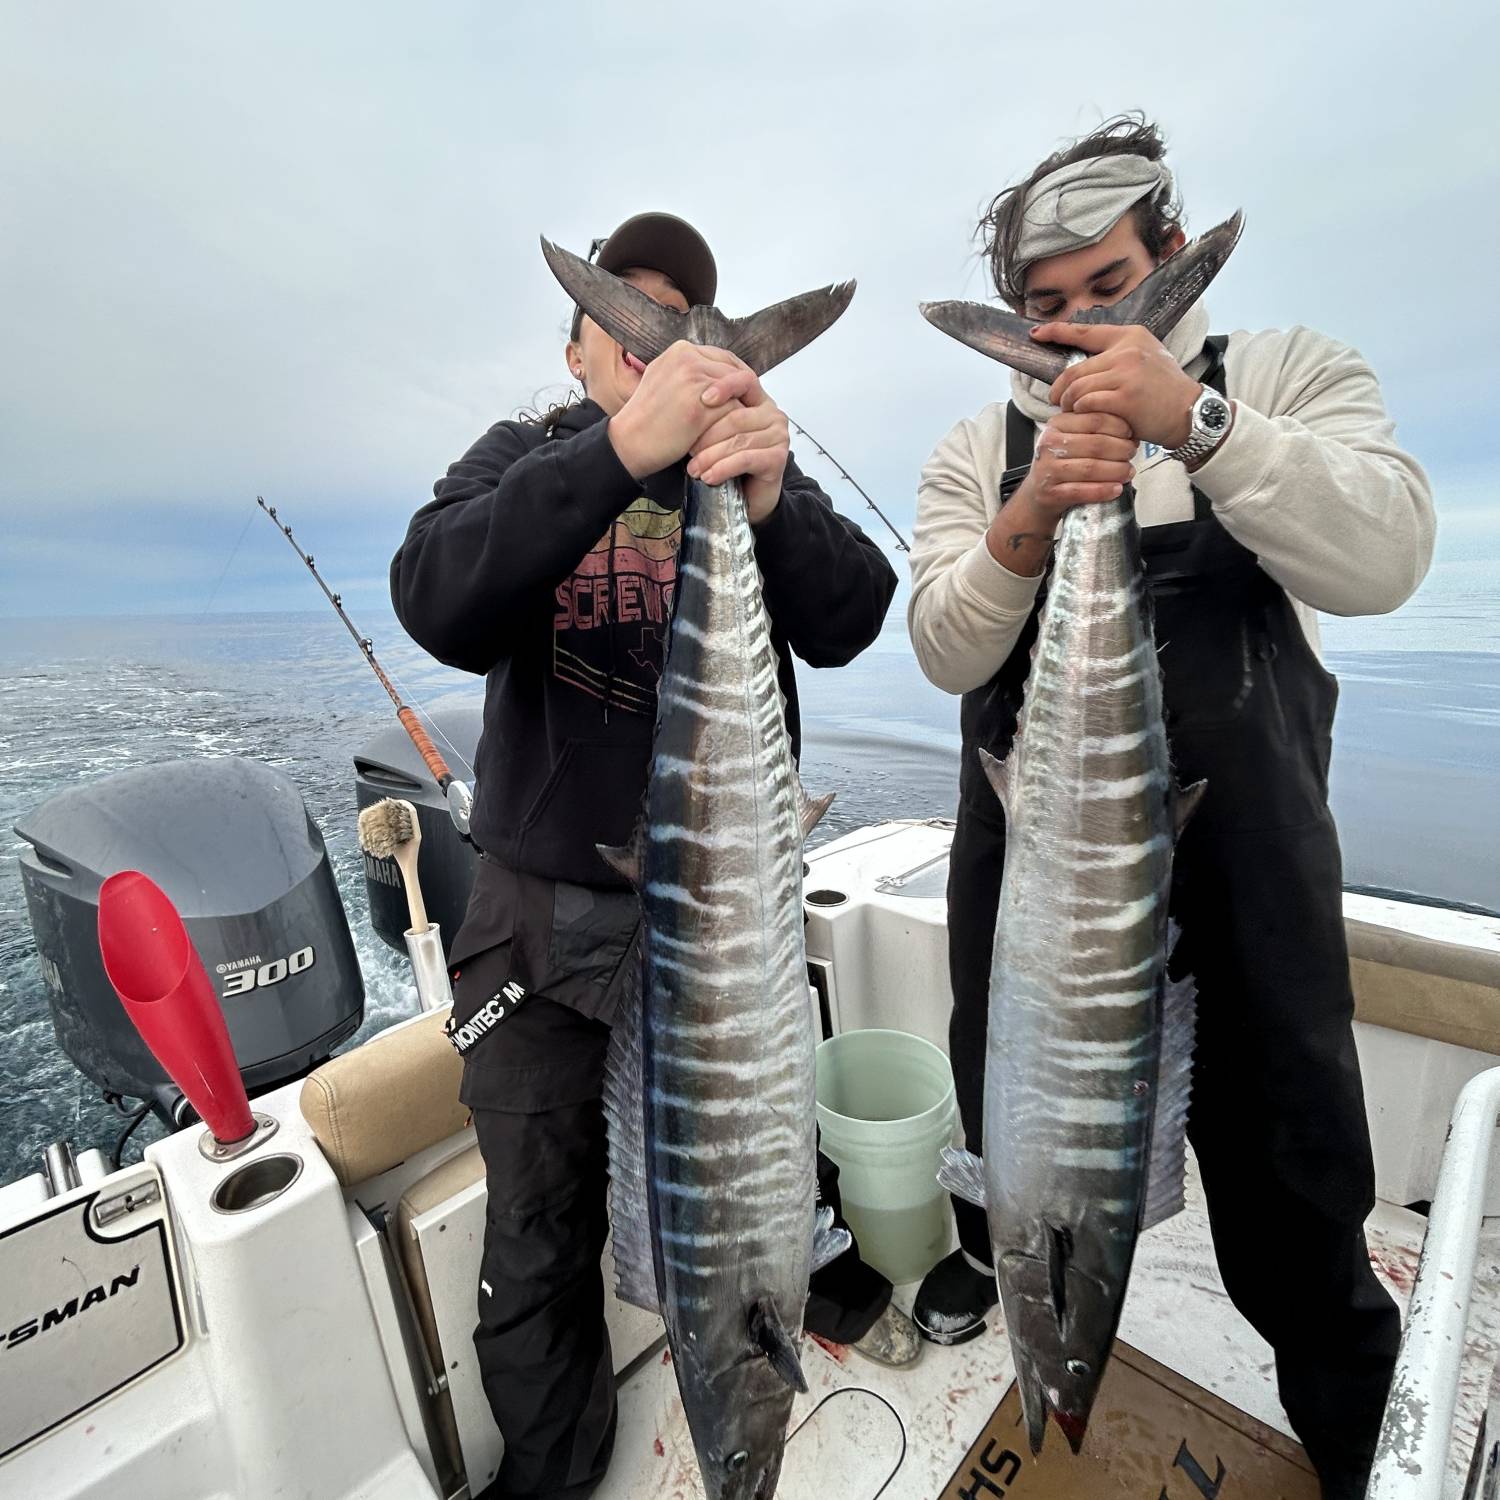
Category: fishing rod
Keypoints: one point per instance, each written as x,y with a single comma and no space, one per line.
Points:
459,798
901,541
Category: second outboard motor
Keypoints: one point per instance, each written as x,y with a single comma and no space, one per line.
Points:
231,843
389,766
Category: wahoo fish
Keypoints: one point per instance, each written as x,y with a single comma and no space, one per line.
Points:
709,1088
1089,1052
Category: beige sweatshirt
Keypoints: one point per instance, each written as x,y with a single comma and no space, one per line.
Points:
1309,479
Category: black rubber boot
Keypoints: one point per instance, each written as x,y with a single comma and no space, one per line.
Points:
952,1301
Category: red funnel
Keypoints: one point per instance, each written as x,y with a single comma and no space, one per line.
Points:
167,993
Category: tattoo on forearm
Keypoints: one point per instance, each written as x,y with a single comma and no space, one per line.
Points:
1018,539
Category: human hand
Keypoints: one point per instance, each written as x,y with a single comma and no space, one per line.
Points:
1081,459
666,413
1128,374
749,440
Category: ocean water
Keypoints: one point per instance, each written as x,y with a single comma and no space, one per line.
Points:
1416,783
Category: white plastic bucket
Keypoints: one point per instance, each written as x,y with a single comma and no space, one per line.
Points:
886,1107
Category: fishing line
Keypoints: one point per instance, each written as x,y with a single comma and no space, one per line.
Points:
227,567
901,541
433,724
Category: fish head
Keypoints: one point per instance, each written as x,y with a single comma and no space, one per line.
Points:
739,1454
738,1418
1062,1323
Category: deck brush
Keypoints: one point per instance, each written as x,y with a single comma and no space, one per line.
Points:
389,830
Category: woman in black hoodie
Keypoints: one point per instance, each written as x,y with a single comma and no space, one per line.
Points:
547,561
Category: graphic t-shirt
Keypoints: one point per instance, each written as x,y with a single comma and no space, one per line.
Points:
626,580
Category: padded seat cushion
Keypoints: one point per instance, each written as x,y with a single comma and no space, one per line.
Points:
372,1108
1455,1011
1465,962
1449,992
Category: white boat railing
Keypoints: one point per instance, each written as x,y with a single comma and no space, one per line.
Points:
1411,1459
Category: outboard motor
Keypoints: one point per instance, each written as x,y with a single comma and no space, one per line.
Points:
232,844
389,766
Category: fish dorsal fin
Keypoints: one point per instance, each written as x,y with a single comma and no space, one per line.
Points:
810,810
1166,1176
625,1123
625,859
962,1174
769,1335
1184,803
828,1243
998,774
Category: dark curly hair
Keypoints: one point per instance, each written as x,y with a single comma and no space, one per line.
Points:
547,417
1156,217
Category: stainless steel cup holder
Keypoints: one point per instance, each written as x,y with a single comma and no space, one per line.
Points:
256,1183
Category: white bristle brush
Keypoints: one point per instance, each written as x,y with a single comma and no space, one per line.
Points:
389,830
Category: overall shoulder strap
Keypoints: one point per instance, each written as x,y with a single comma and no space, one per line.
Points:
1213,374
1020,437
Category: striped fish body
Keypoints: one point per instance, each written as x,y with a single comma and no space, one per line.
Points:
708,1088
1077,978
1089,1050
727,1042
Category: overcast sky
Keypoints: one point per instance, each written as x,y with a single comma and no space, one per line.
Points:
291,249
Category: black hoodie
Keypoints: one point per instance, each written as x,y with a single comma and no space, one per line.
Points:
544,565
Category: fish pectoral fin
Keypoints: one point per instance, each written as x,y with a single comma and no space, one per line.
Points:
775,333
769,1336
625,859
962,1174
810,810
998,773
1166,1167
828,1243
1184,803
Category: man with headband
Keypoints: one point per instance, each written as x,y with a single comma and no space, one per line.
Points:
1269,486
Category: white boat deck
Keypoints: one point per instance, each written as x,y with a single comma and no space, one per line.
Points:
899,1434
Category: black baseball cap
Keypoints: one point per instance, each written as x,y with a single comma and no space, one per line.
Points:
660,242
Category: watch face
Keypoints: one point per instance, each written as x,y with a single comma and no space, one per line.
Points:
1213,417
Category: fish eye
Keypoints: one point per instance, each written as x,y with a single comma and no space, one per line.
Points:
1077,1367
737,1461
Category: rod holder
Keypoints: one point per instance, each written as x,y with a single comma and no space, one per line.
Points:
60,1167
429,967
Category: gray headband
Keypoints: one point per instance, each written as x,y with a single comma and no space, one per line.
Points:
1080,203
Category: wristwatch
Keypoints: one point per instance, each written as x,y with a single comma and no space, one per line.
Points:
1209,420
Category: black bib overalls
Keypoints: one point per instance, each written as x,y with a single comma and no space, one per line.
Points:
1277,1119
